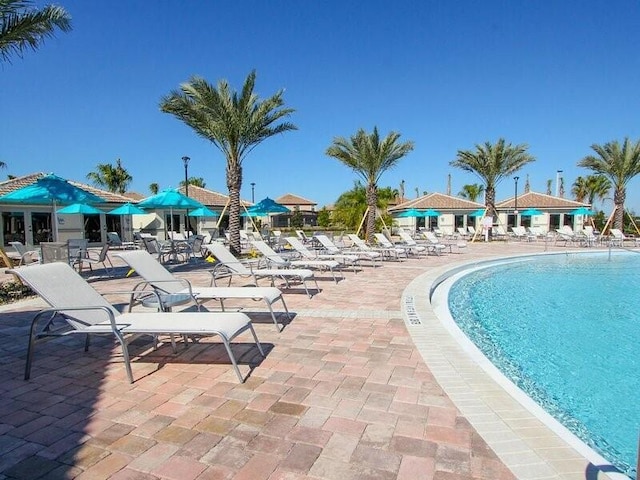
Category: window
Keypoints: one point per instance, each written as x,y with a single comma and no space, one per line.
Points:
13,227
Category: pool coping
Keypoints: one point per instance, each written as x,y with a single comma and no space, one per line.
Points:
531,443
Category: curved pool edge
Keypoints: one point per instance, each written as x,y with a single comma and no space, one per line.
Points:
531,443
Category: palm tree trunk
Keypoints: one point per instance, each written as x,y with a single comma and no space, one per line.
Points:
490,202
619,196
372,201
234,183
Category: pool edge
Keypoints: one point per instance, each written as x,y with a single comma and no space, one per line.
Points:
527,439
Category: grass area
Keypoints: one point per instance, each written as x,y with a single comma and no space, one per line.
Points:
13,291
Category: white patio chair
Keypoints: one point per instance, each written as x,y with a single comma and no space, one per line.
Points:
86,312
387,253
228,266
306,254
24,255
331,248
386,243
163,282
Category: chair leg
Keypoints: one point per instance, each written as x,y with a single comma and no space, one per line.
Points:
225,342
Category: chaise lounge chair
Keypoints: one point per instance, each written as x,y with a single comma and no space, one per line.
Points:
332,249
306,254
387,253
164,283
229,266
87,312
401,251
276,260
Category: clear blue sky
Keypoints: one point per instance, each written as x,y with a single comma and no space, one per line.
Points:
556,75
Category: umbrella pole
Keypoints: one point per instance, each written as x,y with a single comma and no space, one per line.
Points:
55,222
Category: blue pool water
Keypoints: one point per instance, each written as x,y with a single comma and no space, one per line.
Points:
566,330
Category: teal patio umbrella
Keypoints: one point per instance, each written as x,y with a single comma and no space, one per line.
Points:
411,212
530,212
50,189
171,199
79,208
578,211
203,212
430,213
477,213
267,205
127,209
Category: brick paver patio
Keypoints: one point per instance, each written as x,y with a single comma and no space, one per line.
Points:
342,393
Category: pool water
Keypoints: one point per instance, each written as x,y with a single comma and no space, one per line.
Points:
566,330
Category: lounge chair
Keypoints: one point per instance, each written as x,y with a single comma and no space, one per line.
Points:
86,312
302,236
618,238
276,260
91,258
24,255
306,254
115,242
332,249
387,253
414,247
401,251
440,246
229,266
164,283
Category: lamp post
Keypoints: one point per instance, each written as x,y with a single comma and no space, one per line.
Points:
515,201
185,160
253,191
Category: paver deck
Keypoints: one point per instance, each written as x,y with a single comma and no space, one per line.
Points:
343,393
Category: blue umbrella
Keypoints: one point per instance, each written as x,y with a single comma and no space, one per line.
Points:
477,213
50,189
411,212
267,206
127,209
170,199
530,212
253,213
578,211
77,208
203,212
430,213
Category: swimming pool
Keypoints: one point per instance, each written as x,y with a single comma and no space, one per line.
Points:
565,329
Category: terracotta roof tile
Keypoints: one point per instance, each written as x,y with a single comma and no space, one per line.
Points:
539,201
438,201
291,199
209,197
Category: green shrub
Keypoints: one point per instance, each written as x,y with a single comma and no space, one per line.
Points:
14,291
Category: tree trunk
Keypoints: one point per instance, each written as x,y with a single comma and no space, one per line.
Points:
490,202
619,196
372,201
234,183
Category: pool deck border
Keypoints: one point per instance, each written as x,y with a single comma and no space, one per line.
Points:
527,439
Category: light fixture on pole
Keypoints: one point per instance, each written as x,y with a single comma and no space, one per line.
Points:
558,177
515,201
185,160
253,191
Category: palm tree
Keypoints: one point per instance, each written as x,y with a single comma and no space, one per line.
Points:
369,156
197,181
351,205
114,179
619,164
23,26
579,189
598,186
235,124
591,187
492,163
471,191
154,188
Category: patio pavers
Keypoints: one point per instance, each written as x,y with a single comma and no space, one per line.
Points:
341,394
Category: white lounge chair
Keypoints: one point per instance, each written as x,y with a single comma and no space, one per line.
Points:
163,282
414,248
440,246
233,266
274,259
86,312
24,255
332,249
387,253
384,241
306,254
93,258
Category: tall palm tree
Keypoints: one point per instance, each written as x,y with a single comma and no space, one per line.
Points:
235,124
351,205
23,26
369,157
598,187
579,189
471,191
492,163
154,188
619,163
114,179
197,181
